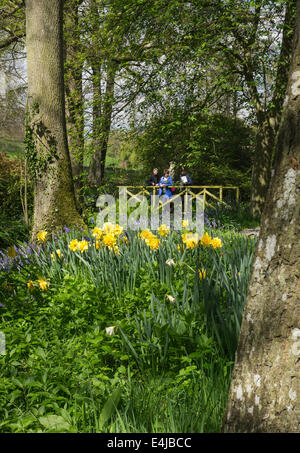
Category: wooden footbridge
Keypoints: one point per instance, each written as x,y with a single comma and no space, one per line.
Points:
205,192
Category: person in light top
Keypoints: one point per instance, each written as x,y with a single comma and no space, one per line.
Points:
185,179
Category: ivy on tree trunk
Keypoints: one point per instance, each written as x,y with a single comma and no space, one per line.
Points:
54,200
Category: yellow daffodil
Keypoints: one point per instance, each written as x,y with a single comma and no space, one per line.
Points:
109,240
185,224
153,242
202,273
74,245
191,244
206,240
216,243
108,227
58,253
30,285
118,230
83,246
97,233
146,234
163,230
43,284
42,236
191,240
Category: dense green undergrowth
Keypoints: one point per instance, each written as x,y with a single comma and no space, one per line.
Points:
120,341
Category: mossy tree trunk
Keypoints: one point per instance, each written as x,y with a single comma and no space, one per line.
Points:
47,153
265,389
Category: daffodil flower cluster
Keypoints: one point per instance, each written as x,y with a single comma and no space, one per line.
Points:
191,240
207,241
81,246
163,230
56,254
107,236
41,282
151,239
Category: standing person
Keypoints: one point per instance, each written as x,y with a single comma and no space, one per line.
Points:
165,184
185,179
154,178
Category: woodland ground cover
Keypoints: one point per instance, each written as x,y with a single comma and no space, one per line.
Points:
113,331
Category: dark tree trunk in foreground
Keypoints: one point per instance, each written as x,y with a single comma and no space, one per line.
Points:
48,156
265,389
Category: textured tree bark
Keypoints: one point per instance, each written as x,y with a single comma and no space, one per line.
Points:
54,200
268,119
265,390
261,169
74,96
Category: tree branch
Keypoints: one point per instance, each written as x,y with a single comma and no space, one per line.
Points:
7,42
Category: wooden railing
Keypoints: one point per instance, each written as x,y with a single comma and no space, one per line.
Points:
203,191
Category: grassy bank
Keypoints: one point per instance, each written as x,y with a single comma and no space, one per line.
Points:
111,332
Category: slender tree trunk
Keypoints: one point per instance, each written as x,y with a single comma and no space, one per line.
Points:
101,133
97,113
261,169
74,96
265,389
48,156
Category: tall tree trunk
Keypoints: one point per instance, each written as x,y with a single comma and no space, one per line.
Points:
48,156
74,96
102,126
265,389
269,119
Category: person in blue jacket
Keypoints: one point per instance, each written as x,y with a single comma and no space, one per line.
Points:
165,185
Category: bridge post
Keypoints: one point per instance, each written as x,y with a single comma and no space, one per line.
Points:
221,193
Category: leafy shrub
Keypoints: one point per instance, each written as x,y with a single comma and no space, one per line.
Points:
12,226
216,149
